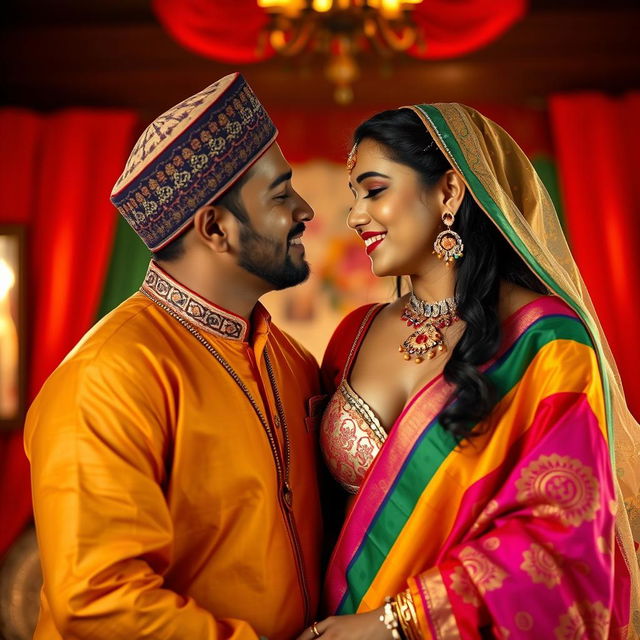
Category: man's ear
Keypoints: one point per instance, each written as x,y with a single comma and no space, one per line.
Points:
212,226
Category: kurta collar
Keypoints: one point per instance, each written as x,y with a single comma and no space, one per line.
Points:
198,311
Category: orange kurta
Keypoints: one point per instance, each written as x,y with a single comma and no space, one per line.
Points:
159,508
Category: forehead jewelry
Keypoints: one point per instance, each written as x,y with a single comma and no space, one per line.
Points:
427,319
352,158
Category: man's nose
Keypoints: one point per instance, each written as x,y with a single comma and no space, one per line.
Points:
303,210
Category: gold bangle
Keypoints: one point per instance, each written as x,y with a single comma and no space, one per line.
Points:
407,615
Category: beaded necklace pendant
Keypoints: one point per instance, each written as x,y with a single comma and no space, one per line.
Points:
427,319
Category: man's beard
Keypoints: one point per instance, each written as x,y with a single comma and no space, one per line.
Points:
269,259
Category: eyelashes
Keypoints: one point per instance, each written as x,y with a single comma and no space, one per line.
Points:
374,192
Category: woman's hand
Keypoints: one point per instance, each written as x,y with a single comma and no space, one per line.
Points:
362,626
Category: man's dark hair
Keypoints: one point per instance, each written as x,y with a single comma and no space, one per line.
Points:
173,251
230,200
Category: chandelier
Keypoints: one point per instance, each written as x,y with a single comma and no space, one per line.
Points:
339,30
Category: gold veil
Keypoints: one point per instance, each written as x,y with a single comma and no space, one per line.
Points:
505,185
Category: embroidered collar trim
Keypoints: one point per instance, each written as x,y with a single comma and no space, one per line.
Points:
204,315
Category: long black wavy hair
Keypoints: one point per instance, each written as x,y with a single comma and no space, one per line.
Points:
488,259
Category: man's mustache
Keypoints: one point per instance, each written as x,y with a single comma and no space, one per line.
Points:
296,231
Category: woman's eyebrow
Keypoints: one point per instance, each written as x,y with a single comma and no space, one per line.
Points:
370,174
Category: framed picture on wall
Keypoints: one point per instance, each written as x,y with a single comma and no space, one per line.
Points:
12,326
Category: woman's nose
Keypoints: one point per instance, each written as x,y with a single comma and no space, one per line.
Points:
358,215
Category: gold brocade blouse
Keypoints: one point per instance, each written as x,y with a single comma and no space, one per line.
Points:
351,436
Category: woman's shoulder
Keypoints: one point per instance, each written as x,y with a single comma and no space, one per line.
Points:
349,325
518,303
541,319
343,338
514,298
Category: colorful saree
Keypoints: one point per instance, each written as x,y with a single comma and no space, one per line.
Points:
522,533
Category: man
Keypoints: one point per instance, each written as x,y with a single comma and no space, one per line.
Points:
173,451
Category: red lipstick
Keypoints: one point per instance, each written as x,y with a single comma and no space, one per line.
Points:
372,239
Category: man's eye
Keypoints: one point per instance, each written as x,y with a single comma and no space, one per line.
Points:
374,192
281,196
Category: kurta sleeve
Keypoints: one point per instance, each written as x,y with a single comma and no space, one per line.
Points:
99,442
540,558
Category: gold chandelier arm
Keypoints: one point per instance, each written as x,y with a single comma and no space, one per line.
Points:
397,42
297,44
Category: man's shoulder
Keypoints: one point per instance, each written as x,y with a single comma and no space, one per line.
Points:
131,324
126,342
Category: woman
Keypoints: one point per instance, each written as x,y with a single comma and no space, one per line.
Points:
473,418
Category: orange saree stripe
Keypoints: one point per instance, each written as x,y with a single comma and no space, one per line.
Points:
438,503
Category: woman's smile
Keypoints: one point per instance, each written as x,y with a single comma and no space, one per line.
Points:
372,240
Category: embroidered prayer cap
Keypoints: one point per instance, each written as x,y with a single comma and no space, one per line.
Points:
189,156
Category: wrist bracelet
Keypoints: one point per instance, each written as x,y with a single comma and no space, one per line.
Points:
389,618
406,613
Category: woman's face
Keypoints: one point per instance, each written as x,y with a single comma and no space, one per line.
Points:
395,214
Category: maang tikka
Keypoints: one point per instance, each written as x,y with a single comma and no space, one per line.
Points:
448,245
352,158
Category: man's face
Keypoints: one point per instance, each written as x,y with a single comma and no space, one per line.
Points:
271,241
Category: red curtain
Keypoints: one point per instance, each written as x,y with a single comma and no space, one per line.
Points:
19,134
57,175
449,28
597,140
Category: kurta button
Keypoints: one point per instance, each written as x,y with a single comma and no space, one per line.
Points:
287,494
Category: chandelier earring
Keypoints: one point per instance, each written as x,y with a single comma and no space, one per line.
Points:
448,245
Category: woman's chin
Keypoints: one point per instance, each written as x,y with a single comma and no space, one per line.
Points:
381,270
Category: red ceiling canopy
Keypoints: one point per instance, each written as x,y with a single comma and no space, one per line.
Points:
229,30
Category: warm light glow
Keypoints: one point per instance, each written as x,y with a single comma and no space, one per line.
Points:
290,8
391,5
266,4
7,279
321,6
388,7
278,40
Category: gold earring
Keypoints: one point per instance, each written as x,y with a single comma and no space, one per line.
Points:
448,244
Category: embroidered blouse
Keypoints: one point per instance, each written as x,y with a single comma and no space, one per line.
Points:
351,437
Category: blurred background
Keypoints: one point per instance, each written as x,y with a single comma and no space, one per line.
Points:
80,81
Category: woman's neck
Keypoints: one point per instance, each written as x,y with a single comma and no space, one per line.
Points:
438,284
